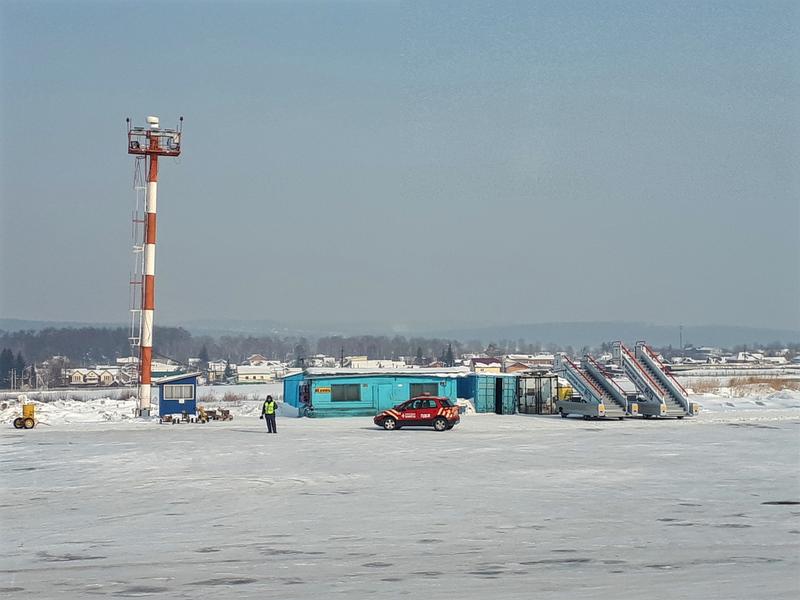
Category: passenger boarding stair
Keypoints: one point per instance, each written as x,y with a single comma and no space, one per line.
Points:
593,370
676,396
662,395
595,400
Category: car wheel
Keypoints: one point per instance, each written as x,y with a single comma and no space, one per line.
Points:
28,423
562,413
389,423
440,424
19,423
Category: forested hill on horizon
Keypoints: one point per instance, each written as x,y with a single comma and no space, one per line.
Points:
576,334
595,333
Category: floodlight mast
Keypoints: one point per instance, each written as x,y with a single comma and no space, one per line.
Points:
150,142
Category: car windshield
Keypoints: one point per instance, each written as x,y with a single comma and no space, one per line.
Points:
445,402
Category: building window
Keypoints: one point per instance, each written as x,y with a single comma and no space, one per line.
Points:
346,393
421,389
178,392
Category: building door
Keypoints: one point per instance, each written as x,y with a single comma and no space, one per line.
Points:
382,396
498,395
484,394
540,407
547,392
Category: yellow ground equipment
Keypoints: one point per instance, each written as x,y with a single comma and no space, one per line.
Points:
28,418
565,392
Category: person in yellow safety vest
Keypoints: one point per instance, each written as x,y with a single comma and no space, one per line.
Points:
268,413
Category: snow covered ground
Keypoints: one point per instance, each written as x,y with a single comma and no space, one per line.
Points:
501,506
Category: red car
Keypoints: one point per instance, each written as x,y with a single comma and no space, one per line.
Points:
423,410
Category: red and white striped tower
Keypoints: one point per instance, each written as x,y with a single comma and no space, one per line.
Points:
149,280
151,142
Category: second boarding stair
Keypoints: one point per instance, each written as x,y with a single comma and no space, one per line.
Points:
593,370
595,400
662,395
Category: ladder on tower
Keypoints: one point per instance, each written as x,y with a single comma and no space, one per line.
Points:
137,270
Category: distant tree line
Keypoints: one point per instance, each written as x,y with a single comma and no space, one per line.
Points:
98,345
90,345
11,367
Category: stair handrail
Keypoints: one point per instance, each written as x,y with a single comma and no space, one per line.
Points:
613,391
576,372
658,361
606,375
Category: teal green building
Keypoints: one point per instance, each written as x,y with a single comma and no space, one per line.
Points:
340,392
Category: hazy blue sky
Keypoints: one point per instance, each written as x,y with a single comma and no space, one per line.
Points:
488,162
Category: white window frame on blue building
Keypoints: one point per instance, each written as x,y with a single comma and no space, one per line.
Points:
178,391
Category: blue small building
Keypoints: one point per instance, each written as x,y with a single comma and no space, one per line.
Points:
490,392
366,392
177,394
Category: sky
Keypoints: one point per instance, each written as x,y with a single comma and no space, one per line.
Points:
399,162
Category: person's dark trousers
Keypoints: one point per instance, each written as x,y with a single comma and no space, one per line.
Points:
272,427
